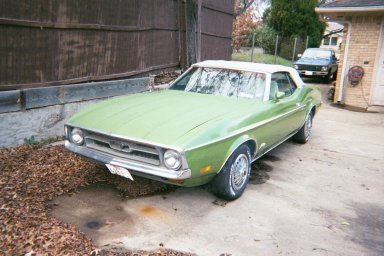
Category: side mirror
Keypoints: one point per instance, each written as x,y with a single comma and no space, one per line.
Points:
280,95
299,55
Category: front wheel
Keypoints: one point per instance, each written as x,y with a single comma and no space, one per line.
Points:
327,78
231,181
303,135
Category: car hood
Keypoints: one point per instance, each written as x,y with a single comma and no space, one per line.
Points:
175,118
310,61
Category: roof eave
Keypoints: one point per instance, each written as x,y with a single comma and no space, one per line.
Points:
349,9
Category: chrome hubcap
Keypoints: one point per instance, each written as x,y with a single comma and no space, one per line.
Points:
239,171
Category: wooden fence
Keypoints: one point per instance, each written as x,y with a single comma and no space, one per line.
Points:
60,42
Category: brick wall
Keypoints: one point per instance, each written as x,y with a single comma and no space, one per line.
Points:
363,46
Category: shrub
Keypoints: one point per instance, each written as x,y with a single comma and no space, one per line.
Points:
266,38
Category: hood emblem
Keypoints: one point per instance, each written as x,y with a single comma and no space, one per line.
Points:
120,146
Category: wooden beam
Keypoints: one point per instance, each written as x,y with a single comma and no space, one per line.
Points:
88,78
198,32
191,31
182,35
41,25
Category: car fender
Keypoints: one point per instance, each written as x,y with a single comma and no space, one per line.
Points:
245,138
310,102
310,105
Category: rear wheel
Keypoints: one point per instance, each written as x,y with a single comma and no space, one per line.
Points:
230,183
304,134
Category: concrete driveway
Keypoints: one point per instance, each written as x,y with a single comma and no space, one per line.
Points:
322,198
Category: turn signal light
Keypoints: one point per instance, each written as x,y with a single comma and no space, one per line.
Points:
206,169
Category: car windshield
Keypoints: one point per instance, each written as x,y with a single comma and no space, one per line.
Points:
317,54
223,82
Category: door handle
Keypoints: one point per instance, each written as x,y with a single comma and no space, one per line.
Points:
298,104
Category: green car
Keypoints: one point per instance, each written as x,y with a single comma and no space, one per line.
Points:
208,126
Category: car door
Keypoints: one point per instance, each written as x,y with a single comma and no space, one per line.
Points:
333,62
287,113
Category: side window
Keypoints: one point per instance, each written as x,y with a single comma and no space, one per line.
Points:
326,41
282,82
292,83
182,83
333,40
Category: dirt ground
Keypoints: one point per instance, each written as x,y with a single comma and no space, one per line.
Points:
321,198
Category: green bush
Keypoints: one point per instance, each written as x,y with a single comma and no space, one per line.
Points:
286,48
266,38
260,58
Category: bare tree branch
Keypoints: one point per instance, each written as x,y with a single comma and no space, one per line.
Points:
241,6
333,32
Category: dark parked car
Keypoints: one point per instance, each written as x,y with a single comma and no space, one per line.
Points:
316,62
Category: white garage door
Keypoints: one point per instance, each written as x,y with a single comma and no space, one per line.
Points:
378,92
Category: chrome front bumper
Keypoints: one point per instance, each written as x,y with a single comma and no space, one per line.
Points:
314,73
130,165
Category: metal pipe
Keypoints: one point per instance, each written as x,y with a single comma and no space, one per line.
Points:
348,9
343,71
294,51
253,45
277,41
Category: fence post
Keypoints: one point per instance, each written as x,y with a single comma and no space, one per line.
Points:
306,44
198,37
253,45
277,41
294,51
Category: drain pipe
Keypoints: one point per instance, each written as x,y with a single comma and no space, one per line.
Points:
340,99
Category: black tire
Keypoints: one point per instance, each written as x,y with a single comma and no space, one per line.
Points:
304,134
327,78
230,183
334,77
331,93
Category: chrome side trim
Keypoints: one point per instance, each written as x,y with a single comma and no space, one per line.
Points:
267,87
137,167
247,128
274,146
258,156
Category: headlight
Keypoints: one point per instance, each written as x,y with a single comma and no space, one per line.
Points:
324,68
77,136
296,66
172,159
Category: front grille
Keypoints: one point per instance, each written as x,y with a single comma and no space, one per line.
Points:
309,67
124,149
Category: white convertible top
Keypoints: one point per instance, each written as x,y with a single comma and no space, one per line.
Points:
251,66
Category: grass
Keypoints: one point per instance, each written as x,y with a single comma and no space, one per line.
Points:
260,58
